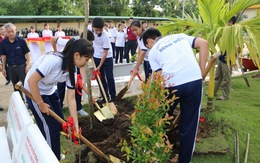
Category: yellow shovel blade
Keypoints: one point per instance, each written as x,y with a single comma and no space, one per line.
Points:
107,114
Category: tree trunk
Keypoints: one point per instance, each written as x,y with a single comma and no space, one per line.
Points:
211,87
91,109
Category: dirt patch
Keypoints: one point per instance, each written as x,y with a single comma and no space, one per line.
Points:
108,134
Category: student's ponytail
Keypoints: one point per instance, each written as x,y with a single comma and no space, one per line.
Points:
82,46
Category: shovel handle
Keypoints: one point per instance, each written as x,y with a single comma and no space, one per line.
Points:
130,81
94,101
100,83
210,64
59,119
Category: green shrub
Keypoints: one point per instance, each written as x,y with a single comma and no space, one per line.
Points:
149,142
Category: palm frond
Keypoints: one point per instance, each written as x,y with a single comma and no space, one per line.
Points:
208,10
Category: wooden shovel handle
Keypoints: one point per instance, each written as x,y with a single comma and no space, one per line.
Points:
100,83
59,119
130,81
210,64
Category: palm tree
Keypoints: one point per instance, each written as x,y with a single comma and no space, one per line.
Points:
211,24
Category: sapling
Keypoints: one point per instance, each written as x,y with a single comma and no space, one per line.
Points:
149,142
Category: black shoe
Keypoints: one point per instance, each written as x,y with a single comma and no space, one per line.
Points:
7,82
101,102
1,108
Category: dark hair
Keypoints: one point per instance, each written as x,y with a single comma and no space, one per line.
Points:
151,33
90,35
32,27
98,22
123,21
46,24
136,23
233,20
131,18
58,26
83,46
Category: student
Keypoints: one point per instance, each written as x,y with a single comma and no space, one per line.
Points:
173,57
90,25
62,85
41,81
16,55
120,38
112,30
144,25
137,29
131,41
34,46
103,58
59,33
47,33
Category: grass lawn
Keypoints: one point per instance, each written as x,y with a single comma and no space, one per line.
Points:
240,113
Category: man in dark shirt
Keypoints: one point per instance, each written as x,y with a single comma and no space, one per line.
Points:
131,43
15,54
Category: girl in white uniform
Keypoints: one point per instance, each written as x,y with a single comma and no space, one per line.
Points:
59,33
34,46
41,81
120,38
136,27
47,33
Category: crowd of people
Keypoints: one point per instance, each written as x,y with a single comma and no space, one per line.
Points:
65,59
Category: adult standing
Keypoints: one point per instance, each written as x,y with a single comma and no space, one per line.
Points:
223,72
131,41
47,33
2,37
34,46
173,57
16,55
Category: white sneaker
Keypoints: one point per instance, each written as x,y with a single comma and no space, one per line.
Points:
82,113
62,156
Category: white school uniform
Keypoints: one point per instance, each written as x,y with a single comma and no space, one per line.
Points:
143,48
112,32
47,44
51,73
120,39
35,51
60,34
102,43
174,56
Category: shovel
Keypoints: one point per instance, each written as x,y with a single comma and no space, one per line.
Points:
60,120
110,105
102,113
124,90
